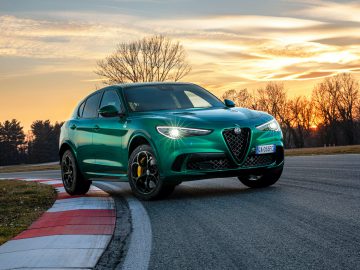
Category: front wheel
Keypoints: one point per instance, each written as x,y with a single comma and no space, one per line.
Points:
144,177
261,180
74,182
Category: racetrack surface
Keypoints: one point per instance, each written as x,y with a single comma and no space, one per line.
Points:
310,219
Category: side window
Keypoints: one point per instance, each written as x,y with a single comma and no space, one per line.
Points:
111,98
196,100
92,106
81,109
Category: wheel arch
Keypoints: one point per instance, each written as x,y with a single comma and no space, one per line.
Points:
139,139
66,146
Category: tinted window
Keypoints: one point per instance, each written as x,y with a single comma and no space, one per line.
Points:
91,106
111,98
81,109
196,100
169,97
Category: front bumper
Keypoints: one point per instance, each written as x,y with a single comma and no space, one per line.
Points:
210,156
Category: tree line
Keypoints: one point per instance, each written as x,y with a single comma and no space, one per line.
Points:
330,116
39,145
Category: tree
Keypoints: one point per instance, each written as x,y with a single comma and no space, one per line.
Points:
12,137
155,58
242,98
273,99
302,117
44,146
325,96
347,101
335,101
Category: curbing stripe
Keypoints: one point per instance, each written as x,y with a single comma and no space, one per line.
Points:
57,242
77,227
51,258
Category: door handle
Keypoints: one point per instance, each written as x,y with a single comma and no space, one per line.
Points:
96,127
73,126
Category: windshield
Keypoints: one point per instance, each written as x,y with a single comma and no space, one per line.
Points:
169,97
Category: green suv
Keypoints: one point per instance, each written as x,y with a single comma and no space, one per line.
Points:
156,135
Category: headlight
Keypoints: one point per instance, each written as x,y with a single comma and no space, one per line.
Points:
272,125
179,132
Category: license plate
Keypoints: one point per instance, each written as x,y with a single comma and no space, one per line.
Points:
265,149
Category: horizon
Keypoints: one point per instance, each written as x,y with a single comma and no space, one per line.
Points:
49,50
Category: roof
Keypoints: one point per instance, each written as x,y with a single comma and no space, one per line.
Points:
137,84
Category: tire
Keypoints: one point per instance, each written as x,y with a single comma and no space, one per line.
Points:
259,181
74,182
144,177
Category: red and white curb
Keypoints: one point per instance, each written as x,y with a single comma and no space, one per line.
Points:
73,233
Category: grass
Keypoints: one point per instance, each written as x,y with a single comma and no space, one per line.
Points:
28,168
333,150
21,204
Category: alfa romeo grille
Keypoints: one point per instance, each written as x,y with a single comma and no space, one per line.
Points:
237,143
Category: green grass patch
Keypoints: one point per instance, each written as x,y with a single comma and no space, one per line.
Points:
28,168
21,203
332,150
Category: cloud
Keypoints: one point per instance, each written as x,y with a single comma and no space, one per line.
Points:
58,38
344,11
240,48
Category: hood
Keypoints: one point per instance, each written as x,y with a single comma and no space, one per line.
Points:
218,114
208,116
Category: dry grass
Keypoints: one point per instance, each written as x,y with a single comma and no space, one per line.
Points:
349,149
21,204
28,168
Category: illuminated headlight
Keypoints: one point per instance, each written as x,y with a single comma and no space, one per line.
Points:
179,132
272,125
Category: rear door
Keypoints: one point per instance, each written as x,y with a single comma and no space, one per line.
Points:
108,139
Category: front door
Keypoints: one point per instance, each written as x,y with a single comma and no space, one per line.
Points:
108,139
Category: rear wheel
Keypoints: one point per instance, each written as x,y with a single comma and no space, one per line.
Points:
74,182
144,177
261,180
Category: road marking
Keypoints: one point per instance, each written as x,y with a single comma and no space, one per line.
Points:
138,254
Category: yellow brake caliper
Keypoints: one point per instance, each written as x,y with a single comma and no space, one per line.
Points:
140,169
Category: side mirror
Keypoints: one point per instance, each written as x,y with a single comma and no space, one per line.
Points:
229,103
109,111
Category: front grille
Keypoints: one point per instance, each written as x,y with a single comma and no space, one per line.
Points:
237,143
212,164
259,160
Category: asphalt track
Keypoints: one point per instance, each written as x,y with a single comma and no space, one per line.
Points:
309,220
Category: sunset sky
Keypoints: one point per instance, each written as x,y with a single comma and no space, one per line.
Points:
49,48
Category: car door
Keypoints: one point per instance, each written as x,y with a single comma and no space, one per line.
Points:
83,128
108,139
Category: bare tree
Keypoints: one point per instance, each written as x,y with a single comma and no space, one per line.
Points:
325,97
335,99
273,99
155,58
347,101
242,98
302,117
